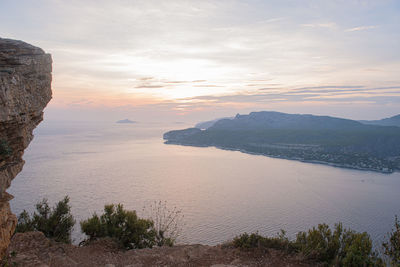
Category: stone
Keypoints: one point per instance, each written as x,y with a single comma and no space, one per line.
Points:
25,90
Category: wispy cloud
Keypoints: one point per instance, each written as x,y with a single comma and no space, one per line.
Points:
361,28
146,78
148,86
209,85
332,87
177,82
303,94
251,52
329,25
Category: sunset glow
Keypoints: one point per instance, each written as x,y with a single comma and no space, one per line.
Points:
216,54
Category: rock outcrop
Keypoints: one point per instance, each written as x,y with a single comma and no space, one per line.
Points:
25,90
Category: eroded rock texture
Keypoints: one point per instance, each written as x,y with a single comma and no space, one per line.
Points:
25,90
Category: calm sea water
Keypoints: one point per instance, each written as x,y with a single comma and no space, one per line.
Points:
221,193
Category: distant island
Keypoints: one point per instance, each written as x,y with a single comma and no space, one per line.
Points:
318,139
126,121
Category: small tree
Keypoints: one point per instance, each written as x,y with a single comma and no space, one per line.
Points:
392,248
167,222
55,223
122,225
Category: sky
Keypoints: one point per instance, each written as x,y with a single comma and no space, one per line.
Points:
182,60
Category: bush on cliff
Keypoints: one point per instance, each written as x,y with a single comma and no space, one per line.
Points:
122,225
254,240
5,149
340,247
167,222
56,223
392,247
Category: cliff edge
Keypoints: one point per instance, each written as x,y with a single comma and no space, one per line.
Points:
25,90
34,249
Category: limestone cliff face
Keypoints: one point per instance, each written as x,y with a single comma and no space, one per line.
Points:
25,90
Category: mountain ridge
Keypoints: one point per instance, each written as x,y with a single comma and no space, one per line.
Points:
391,121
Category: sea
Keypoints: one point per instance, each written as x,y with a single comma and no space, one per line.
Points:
220,193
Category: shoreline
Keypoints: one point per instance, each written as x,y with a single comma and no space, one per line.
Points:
336,165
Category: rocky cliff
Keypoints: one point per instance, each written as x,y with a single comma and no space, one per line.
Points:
25,90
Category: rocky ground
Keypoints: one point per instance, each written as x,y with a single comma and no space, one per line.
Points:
34,249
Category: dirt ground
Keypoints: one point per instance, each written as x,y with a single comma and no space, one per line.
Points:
34,249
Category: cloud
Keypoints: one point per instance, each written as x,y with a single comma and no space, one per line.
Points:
329,25
332,86
208,85
329,93
161,51
149,86
146,78
361,28
177,82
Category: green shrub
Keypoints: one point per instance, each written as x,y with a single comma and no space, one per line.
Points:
255,240
341,247
8,260
319,243
392,248
245,240
122,225
5,149
56,223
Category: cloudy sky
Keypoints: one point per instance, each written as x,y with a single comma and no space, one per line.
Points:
185,60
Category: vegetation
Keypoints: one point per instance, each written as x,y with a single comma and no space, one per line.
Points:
392,247
9,260
332,247
340,247
254,240
56,223
167,223
5,149
122,225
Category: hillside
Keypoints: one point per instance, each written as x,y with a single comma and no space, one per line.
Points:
392,121
320,139
208,124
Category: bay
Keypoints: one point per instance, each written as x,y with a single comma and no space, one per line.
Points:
220,193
